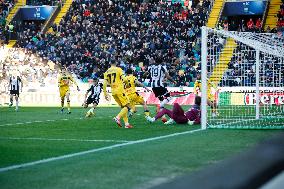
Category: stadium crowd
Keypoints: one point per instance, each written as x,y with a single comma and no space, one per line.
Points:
43,2
280,15
5,8
34,70
95,32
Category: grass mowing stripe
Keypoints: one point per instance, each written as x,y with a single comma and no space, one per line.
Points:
4,169
43,121
39,121
63,139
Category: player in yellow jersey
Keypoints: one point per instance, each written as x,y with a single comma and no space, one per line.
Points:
134,97
115,78
211,101
64,82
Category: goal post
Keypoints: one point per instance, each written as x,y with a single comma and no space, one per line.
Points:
242,80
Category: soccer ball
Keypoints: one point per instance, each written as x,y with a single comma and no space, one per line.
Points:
164,119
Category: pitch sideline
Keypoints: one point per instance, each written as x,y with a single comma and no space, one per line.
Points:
4,169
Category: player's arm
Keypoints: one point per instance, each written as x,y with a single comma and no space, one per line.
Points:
8,87
21,84
86,94
107,97
73,80
60,84
196,87
213,85
170,78
146,74
138,83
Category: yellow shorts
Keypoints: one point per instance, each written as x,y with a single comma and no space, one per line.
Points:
63,91
135,98
121,99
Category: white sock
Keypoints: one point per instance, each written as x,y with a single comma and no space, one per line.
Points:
17,105
91,110
165,101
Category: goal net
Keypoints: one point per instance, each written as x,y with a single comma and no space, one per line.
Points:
242,80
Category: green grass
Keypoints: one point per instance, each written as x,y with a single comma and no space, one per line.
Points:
133,166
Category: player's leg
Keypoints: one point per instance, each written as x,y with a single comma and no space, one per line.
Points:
91,111
62,98
11,100
122,112
178,114
160,114
132,103
68,101
140,100
213,105
17,102
165,97
126,107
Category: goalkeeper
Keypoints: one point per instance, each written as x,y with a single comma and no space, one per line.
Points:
211,100
177,115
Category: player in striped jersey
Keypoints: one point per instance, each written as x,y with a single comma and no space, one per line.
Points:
64,82
115,78
158,73
134,97
15,85
94,96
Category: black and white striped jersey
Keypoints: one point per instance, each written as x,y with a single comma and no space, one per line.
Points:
95,90
158,74
15,83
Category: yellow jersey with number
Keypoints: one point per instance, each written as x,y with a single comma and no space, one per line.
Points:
130,86
64,81
115,78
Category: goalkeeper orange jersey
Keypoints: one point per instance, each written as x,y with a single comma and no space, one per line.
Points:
115,78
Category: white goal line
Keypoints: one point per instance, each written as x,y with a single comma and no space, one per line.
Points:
4,169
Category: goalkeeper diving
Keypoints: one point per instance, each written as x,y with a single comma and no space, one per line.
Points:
177,114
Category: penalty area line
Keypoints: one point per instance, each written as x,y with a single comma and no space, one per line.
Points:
24,165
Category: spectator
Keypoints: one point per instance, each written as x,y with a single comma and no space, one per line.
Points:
258,24
250,24
94,32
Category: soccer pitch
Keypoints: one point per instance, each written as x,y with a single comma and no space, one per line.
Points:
41,148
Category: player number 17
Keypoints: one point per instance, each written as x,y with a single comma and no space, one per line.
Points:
111,77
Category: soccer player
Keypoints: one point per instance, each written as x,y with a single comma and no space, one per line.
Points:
94,97
134,97
211,101
115,78
15,85
158,73
177,115
64,82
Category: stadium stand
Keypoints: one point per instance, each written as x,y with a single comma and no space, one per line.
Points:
43,2
35,71
93,33
5,7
